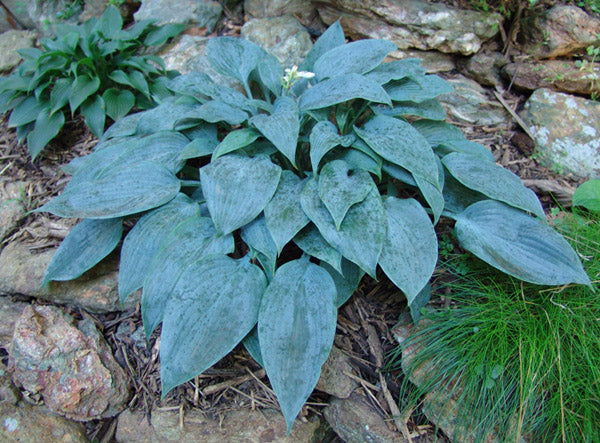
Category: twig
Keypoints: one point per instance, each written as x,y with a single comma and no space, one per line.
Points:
213,389
362,381
514,115
394,410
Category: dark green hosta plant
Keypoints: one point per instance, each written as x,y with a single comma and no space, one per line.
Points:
97,69
258,213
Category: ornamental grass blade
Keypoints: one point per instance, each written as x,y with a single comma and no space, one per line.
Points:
207,316
296,327
85,246
410,249
144,240
237,189
518,244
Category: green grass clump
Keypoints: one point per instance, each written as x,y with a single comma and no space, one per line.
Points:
522,361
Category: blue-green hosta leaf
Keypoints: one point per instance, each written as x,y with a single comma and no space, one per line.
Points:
271,72
312,243
419,302
346,281
430,109
207,316
399,173
237,189
252,345
192,83
83,87
432,195
296,327
215,111
204,141
284,214
256,235
234,57
123,128
341,187
144,240
357,57
190,240
119,192
396,70
410,250
331,38
465,147
518,244
164,116
359,160
95,116
458,197
46,128
281,127
398,142
323,138
418,88
493,181
85,246
588,195
118,103
235,140
361,235
341,89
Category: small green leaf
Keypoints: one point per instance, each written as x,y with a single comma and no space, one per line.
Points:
138,81
118,103
85,246
95,116
235,140
46,128
518,244
25,112
588,195
296,327
200,327
159,36
237,189
110,23
61,92
120,77
83,87
312,243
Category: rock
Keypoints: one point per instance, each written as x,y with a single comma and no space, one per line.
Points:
484,68
27,423
469,103
252,426
10,42
354,420
566,129
45,14
333,381
19,14
561,75
561,30
284,37
22,272
188,53
10,311
199,13
12,209
303,10
8,391
71,368
433,61
93,8
413,23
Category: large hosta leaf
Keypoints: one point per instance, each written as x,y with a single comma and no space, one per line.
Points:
190,240
396,70
281,127
296,326
346,281
232,142
331,38
493,181
284,214
341,187
323,138
398,142
87,243
410,250
257,236
312,243
237,189
144,240
357,57
518,244
124,190
207,315
340,89
361,235
418,88
234,57
431,109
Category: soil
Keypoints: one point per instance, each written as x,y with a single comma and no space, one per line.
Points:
364,323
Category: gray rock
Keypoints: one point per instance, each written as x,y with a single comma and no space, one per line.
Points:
484,68
301,9
22,272
10,42
92,8
433,61
333,381
561,75
12,209
200,13
19,12
8,391
284,37
566,129
561,30
10,312
252,426
72,368
469,103
354,420
45,14
413,23
27,423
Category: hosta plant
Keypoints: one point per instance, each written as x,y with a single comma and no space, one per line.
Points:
258,213
98,69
